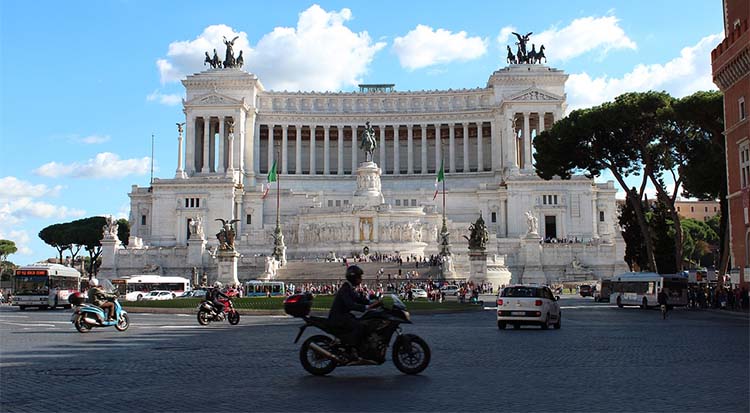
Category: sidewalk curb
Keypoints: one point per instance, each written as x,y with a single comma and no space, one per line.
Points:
321,313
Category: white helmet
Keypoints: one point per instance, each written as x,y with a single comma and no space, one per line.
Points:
93,282
217,284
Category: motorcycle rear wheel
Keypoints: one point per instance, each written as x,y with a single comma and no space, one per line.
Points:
203,317
81,325
123,322
315,363
412,358
233,318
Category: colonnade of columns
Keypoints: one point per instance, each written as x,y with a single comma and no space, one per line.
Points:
209,147
524,127
403,149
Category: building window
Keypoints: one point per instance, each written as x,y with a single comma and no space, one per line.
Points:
413,202
143,220
549,199
493,217
678,209
601,216
346,202
706,209
398,202
330,202
406,202
743,114
249,219
714,209
192,202
338,202
744,164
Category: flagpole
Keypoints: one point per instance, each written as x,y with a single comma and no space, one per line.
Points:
278,196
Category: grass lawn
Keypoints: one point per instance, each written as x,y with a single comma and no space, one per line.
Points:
321,303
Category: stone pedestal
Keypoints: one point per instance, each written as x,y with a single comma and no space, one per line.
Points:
477,266
532,255
110,245
196,249
368,193
497,273
227,266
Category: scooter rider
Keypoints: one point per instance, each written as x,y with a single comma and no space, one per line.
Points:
213,295
101,299
346,300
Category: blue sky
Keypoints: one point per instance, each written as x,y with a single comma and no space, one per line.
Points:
84,84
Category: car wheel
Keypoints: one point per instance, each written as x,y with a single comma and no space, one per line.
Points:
500,325
139,298
558,324
545,323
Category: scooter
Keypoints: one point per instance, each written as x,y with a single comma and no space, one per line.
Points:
87,316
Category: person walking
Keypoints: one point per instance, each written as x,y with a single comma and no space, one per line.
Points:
662,300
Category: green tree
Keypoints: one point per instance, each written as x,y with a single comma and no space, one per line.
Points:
7,248
616,136
87,232
704,172
123,230
57,236
662,229
699,237
635,247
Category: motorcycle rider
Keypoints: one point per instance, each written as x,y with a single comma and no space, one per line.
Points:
346,300
101,299
213,295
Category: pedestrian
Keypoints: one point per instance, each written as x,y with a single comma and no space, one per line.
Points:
662,300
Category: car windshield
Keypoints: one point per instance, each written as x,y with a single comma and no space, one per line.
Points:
521,292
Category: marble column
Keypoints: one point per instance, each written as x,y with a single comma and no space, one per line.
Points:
452,147
409,149
230,162
340,168
326,150
206,140
354,150
424,148
220,162
540,128
284,144
298,150
312,150
396,154
180,172
437,148
270,147
526,141
467,168
382,148
480,147
190,144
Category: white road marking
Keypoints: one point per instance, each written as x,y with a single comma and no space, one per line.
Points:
29,325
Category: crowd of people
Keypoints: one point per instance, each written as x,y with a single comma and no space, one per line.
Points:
718,297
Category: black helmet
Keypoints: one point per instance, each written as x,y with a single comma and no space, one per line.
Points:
354,272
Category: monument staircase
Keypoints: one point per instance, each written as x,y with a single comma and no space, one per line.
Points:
312,271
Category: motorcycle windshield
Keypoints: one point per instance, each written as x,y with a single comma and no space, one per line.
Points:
107,286
391,301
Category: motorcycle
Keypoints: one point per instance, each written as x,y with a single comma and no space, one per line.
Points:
207,313
87,316
321,354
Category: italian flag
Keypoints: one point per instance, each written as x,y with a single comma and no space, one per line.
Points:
271,178
439,178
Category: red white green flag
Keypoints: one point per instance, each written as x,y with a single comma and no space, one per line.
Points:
271,178
439,178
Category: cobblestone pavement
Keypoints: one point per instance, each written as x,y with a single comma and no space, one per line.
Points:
603,359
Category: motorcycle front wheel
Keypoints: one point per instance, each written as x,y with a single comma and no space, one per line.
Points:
411,354
123,322
81,325
233,318
314,362
203,317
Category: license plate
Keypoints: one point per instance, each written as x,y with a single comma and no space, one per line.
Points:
518,313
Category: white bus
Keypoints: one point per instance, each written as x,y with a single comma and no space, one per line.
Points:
134,287
642,288
32,285
257,288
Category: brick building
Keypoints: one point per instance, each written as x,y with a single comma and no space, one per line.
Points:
730,62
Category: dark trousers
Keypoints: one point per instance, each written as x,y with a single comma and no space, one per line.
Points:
349,323
218,305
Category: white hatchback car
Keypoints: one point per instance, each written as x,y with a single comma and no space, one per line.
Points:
158,295
528,304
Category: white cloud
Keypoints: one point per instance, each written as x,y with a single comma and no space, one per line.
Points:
164,99
321,53
13,187
20,238
583,35
20,200
681,76
103,165
424,46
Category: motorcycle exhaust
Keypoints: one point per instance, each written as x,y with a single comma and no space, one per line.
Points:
324,352
91,321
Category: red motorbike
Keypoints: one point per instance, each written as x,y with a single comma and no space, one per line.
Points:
207,313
